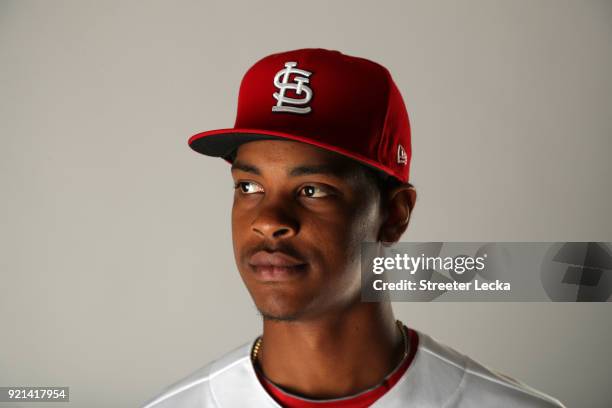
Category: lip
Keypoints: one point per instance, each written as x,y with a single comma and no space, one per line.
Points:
276,266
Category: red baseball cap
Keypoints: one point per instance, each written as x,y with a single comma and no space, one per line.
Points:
345,104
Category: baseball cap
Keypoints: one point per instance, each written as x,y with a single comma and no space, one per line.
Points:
345,104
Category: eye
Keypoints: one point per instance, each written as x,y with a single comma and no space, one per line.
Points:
313,192
248,187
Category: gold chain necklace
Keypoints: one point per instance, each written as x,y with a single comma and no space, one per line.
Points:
400,326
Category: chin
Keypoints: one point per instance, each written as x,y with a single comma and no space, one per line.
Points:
280,307
278,317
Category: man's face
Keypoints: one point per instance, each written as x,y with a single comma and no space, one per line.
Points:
299,216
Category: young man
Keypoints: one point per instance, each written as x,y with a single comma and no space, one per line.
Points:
320,157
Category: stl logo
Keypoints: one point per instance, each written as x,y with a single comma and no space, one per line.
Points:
281,81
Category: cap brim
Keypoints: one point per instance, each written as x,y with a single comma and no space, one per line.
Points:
224,142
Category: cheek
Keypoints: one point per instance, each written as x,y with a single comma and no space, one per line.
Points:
239,224
340,237
242,210
235,220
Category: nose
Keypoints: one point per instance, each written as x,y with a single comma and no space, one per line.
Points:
274,222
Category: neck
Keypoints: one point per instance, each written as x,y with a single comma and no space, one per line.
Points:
332,356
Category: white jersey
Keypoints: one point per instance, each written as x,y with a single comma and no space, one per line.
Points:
437,377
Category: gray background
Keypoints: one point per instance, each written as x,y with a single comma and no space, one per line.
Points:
117,274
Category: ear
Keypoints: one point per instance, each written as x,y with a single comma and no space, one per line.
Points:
399,203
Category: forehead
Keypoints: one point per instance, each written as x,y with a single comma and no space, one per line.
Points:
290,155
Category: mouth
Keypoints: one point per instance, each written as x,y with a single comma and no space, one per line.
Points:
276,266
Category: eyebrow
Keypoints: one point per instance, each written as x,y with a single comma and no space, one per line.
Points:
294,172
236,165
315,169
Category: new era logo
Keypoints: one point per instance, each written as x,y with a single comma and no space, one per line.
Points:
402,157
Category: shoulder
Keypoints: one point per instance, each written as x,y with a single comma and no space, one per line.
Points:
195,390
471,384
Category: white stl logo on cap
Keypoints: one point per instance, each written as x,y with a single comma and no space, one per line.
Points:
298,85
